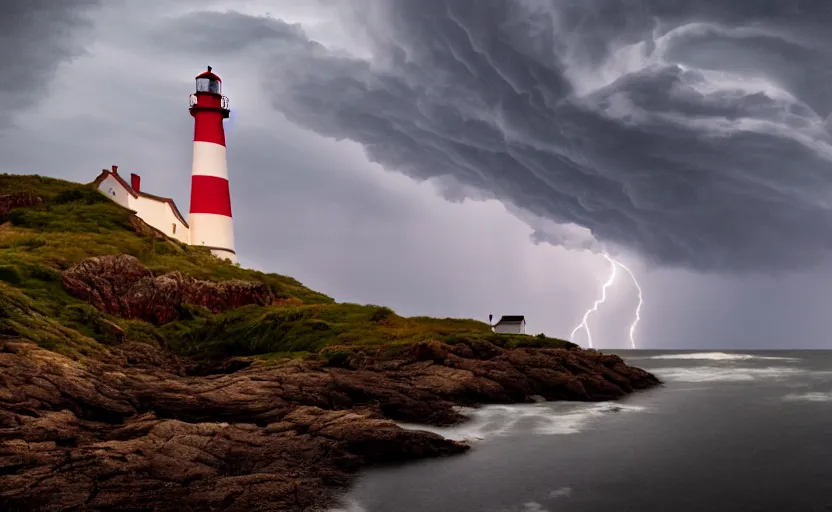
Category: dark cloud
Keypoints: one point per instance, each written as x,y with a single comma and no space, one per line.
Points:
222,32
694,134
651,156
35,37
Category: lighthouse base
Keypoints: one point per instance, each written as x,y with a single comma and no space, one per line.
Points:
225,254
214,232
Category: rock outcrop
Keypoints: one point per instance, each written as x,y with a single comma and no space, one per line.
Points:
9,202
119,284
138,430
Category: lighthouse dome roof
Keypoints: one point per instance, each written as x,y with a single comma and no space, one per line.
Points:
209,74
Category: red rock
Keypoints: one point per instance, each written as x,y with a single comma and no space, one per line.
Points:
9,202
120,285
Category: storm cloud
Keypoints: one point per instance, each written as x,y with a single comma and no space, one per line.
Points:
694,135
35,37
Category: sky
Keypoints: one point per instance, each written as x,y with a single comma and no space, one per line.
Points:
457,158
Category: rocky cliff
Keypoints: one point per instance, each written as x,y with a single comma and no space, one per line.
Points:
140,374
136,431
120,285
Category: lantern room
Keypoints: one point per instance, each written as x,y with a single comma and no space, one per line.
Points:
209,82
208,96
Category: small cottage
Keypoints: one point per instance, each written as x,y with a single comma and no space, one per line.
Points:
511,324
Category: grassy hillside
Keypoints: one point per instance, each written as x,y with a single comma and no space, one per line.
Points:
76,222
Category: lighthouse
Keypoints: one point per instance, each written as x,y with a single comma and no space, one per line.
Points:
210,213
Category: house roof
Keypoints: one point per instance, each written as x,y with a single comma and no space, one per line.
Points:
105,173
512,319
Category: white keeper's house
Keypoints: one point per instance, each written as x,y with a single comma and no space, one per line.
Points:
159,212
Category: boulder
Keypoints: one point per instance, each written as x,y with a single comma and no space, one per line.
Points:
9,202
120,285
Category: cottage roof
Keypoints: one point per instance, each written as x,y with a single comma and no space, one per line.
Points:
105,173
512,319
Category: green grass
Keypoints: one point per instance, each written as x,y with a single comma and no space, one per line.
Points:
76,221
308,328
21,319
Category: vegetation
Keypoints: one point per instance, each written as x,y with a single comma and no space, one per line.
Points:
76,222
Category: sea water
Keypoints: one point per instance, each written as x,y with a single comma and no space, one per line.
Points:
748,431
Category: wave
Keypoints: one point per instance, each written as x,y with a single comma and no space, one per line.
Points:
530,506
549,418
349,506
533,506
721,356
563,492
809,397
724,374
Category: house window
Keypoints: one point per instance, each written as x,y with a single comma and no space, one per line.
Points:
174,228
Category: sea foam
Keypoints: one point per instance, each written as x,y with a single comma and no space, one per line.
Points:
724,374
548,418
721,356
349,506
809,397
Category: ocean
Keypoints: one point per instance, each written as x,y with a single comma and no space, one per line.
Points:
728,431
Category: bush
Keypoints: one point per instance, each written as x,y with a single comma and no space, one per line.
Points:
83,195
249,330
10,274
20,317
144,332
160,247
92,323
43,273
30,242
381,314
337,358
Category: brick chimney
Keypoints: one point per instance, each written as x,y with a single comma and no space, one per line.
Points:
115,169
136,182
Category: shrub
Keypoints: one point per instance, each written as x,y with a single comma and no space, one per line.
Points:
381,314
43,272
91,322
83,195
10,274
30,242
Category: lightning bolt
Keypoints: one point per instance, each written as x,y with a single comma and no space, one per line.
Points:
640,303
597,303
584,325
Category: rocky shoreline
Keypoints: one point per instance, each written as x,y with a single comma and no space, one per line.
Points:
113,419
140,429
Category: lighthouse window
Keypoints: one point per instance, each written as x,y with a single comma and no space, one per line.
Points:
207,85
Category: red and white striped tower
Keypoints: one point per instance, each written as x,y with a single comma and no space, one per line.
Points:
210,214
